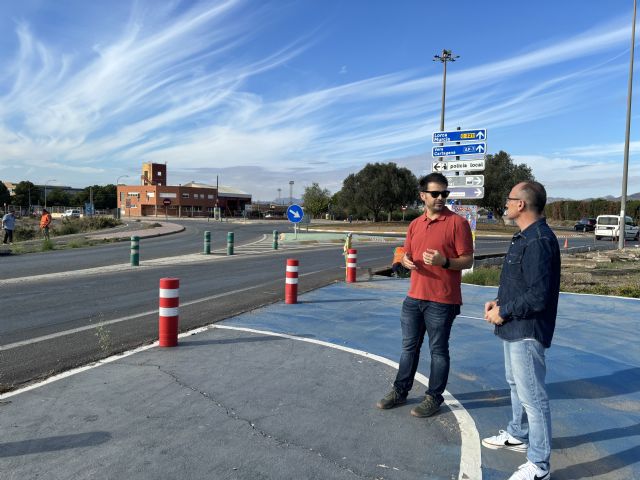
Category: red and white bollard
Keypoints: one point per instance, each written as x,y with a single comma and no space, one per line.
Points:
168,312
352,259
291,282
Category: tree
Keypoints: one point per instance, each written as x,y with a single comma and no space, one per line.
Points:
57,196
103,196
26,194
5,198
378,187
500,175
316,200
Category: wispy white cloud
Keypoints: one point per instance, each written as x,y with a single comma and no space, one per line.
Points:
177,84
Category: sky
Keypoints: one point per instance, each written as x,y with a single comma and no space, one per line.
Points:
260,93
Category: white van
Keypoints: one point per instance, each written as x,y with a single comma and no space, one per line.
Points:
609,226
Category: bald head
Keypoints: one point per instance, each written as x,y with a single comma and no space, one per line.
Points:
534,195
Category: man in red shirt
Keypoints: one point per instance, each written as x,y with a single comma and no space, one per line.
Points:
439,245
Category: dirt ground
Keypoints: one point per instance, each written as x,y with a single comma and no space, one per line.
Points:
609,272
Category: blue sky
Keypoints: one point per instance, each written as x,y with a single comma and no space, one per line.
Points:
264,92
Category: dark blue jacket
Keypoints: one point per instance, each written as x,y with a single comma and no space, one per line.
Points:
530,285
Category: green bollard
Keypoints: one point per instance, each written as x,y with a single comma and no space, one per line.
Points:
135,251
207,243
230,243
275,239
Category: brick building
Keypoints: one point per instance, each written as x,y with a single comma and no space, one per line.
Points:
155,197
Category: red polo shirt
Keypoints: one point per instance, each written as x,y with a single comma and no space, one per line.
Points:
450,234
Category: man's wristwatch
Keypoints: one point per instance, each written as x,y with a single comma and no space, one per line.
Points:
446,263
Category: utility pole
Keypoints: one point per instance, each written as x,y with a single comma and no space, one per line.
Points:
625,168
290,192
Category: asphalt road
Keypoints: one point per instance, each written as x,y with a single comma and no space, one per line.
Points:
69,318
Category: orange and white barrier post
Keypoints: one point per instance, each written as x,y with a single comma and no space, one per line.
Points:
352,260
291,282
168,312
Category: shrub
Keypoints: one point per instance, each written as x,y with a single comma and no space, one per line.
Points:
68,226
24,232
47,245
483,276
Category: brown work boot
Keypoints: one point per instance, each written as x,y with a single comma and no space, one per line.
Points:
391,399
426,408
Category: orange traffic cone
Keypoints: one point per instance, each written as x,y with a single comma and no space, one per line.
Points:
566,242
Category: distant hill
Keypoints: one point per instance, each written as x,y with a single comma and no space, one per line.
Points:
633,196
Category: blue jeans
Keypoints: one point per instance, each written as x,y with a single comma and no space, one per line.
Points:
420,317
525,370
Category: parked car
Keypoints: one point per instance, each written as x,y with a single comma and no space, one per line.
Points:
71,213
609,226
585,225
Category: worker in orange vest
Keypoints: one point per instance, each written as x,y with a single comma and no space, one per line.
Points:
45,221
398,270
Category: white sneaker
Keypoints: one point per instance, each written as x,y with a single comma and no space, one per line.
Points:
504,440
530,471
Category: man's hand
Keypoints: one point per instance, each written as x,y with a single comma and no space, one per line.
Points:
492,313
407,262
433,257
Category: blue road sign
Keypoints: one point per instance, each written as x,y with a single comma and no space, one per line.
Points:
460,136
295,213
466,192
455,150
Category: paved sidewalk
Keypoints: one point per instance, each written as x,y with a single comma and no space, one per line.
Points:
288,392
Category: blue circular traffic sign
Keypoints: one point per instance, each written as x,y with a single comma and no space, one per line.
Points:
295,213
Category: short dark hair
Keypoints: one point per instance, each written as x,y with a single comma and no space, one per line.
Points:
434,177
535,195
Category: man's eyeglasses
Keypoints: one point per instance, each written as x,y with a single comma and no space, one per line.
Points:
437,193
513,198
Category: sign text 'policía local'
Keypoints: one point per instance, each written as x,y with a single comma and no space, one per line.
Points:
460,136
455,150
459,166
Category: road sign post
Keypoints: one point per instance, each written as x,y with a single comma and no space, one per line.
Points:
295,213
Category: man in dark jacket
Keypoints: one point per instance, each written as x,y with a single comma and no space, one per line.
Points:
524,315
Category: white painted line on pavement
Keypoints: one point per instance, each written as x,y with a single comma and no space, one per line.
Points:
71,331
470,455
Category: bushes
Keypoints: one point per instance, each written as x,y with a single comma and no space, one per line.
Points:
483,276
24,232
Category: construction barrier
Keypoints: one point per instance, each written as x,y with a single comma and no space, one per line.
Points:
135,251
168,312
291,282
352,259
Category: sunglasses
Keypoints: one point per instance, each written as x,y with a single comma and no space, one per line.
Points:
437,193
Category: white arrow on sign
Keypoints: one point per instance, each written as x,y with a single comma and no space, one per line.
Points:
480,149
295,214
480,135
440,166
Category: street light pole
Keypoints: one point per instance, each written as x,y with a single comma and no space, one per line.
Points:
118,198
290,192
45,191
447,56
625,168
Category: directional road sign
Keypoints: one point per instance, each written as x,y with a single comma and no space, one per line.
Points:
466,181
466,192
454,150
460,136
295,213
459,166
